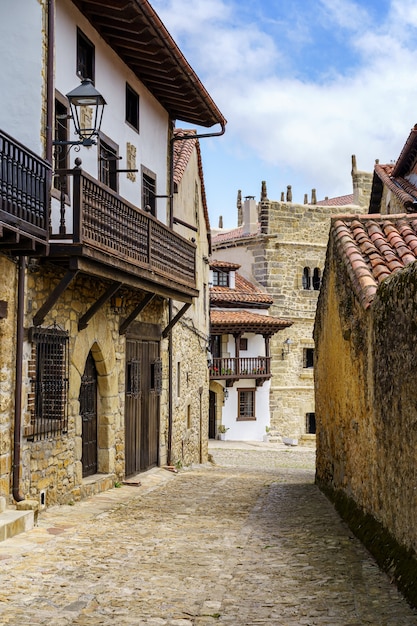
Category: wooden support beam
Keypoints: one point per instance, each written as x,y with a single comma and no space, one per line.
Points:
176,319
84,319
53,297
133,315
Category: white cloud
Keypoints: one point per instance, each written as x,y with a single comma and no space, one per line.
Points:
296,124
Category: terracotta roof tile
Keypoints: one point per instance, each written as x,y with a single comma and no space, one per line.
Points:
224,265
374,247
338,201
244,294
230,321
235,233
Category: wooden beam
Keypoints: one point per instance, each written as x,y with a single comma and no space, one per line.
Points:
133,315
53,297
84,319
176,319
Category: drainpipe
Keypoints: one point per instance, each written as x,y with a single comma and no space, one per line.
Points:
50,80
170,308
17,435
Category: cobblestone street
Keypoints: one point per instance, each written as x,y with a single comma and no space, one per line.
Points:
247,541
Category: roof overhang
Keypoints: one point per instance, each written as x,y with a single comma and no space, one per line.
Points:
135,32
233,322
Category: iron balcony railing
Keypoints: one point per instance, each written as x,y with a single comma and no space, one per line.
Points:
24,184
234,368
101,219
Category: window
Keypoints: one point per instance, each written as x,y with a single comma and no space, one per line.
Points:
306,278
108,157
61,153
85,57
308,357
316,279
216,346
178,378
50,367
148,191
243,343
246,404
220,279
310,423
132,107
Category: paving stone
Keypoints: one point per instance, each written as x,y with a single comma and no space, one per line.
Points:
249,541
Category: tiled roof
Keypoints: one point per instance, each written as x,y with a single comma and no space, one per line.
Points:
374,247
182,151
399,186
232,321
224,265
338,201
244,294
231,235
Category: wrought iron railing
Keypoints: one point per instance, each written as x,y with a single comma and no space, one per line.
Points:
245,367
102,219
24,184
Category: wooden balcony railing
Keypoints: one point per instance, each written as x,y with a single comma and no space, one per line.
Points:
102,220
24,183
236,368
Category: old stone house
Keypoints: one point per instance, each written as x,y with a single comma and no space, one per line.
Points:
280,246
240,366
365,369
190,335
100,260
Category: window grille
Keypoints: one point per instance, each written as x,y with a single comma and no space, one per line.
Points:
50,410
133,378
156,376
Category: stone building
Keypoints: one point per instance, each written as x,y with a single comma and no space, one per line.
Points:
280,246
101,261
190,335
365,370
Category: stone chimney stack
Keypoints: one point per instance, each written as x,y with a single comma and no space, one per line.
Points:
313,196
289,193
220,221
362,185
239,208
250,216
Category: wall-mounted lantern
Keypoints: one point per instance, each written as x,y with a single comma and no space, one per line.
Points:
286,346
85,95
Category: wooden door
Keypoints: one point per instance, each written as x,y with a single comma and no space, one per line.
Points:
143,378
88,412
212,415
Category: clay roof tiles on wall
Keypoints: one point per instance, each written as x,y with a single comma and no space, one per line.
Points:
374,247
244,293
233,321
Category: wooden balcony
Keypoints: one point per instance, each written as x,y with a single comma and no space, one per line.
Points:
24,184
233,369
102,234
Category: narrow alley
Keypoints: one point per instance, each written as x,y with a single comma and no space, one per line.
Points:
247,541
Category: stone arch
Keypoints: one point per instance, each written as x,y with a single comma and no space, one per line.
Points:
98,339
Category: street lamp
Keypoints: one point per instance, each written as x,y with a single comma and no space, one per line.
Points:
85,95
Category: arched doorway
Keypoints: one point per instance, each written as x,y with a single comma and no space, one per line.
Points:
88,412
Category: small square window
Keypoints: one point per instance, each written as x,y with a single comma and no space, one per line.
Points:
220,278
132,107
310,423
85,57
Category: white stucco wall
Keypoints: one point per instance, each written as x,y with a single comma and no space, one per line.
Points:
251,430
21,35
111,76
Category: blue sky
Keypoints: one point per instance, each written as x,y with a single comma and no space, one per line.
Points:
304,84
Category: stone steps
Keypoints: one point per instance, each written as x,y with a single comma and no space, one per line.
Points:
13,522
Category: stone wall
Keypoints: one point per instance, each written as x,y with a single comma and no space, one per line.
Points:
54,465
365,377
8,289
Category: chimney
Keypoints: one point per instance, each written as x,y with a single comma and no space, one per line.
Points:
250,216
239,208
220,221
